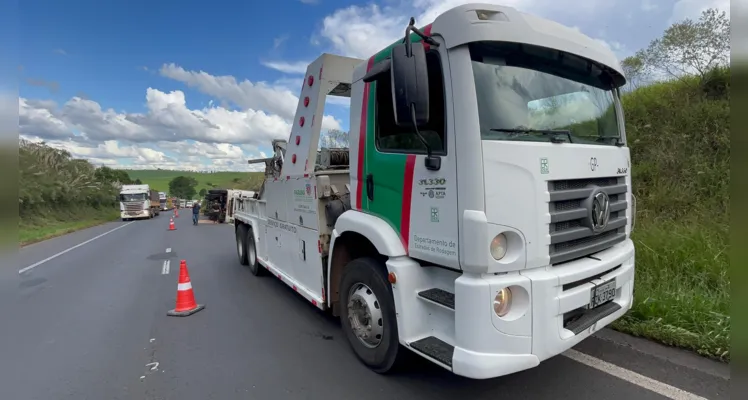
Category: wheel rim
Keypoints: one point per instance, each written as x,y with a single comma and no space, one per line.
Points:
365,315
250,248
239,248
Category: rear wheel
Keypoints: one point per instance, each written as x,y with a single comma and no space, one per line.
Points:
251,254
241,243
368,315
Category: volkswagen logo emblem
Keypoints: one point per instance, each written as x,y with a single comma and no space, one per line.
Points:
600,211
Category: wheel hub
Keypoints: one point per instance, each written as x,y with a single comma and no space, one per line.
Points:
365,315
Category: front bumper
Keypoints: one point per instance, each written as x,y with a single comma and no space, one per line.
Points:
135,214
487,346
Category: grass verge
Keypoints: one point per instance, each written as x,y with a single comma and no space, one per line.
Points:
52,223
682,290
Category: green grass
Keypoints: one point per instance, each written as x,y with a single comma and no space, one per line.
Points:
52,223
679,133
159,179
682,292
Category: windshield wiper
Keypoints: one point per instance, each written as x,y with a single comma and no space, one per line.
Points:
548,132
616,139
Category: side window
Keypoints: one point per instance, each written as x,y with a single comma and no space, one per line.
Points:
391,138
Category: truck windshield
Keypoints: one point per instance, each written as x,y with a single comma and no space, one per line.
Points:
126,197
529,93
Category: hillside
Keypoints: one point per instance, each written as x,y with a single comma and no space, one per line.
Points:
159,179
679,134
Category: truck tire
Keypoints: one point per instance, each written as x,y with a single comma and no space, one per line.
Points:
251,254
241,243
367,315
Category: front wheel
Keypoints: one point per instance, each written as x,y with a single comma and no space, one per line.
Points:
368,315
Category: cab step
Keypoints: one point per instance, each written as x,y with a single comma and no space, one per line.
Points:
439,296
435,348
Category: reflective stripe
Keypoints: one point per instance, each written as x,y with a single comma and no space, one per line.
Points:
184,286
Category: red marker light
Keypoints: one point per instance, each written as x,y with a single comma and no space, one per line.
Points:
293,158
306,101
310,81
301,121
298,139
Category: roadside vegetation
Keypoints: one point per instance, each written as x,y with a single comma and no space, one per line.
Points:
678,127
58,194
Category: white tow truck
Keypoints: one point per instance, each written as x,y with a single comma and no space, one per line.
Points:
482,215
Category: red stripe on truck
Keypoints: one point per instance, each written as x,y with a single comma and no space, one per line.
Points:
362,142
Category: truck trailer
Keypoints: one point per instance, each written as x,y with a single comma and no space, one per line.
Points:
481,216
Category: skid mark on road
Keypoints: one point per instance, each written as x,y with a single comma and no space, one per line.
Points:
32,266
632,377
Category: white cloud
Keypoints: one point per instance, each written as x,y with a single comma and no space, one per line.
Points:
167,118
648,5
360,31
298,67
275,99
693,8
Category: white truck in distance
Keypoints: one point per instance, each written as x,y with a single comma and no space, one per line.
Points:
481,221
138,201
162,201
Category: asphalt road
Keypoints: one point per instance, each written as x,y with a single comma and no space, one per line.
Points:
91,323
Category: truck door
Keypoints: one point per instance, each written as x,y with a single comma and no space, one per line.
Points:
418,203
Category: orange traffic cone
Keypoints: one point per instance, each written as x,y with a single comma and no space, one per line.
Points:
186,304
171,225
176,213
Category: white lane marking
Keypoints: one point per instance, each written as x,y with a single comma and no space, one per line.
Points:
165,268
153,365
20,271
650,384
168,250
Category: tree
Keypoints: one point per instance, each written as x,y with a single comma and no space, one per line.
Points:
183,187
690,47
138,182
633,68
203,192
334,138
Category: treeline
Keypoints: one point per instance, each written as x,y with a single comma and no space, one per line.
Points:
51,179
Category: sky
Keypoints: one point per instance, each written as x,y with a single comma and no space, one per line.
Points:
206,85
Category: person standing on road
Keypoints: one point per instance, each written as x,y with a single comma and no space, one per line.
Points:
195,212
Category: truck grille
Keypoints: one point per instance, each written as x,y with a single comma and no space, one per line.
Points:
571,227
135,206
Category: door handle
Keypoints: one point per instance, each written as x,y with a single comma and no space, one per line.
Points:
370,187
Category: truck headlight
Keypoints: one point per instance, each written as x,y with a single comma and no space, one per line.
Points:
502,302
498,246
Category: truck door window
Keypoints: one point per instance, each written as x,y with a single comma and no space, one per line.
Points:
391,138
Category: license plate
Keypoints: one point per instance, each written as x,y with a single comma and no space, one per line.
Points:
603,293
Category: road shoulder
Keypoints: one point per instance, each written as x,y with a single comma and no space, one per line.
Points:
676,367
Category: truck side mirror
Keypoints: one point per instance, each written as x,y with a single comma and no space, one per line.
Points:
410,85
